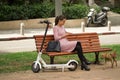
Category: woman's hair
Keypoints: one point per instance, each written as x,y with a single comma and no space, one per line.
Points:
60,17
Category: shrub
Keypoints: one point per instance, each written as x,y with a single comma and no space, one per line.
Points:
117,10
43,10
25,11
75,11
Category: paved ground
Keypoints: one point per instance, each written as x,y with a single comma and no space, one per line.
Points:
31,32
98,72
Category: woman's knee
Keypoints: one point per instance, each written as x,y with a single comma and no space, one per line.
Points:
79,44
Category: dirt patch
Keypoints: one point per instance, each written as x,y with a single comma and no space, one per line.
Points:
97,72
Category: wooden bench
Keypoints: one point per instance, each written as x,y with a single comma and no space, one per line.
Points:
89,41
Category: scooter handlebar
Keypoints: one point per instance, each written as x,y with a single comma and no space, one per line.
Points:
45,21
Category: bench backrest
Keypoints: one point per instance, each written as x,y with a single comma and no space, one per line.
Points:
88,40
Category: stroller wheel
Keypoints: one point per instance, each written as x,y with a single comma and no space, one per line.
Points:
35,68
74,64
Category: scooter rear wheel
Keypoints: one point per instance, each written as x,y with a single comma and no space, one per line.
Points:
37,69
89,21
104,21
73,64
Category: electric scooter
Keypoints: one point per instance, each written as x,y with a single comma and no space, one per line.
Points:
40,64
98,18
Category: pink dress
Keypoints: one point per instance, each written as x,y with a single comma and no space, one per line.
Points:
66,45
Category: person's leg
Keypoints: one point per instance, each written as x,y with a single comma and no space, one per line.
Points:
81,53
78,48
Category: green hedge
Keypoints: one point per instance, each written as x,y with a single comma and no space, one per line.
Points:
21,2
117,10
75,11
43,10
25,12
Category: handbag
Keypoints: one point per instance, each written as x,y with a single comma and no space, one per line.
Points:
53,46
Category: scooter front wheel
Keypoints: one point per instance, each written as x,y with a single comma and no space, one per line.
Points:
74,64
35,68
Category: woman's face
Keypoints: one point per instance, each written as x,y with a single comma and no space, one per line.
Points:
61,22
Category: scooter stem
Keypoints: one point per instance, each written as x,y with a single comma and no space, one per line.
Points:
44,35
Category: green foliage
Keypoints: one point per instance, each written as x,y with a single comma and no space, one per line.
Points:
20,2
25,11
43,10
117,10
71,2
75,11
31,9
96,7
104,0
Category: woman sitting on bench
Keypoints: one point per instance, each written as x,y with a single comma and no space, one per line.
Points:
68,46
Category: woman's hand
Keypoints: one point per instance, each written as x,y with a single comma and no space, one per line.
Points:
67,33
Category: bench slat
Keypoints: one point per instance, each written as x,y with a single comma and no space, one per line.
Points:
68,53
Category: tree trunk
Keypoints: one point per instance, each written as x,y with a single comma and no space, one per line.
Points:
58,7
91,2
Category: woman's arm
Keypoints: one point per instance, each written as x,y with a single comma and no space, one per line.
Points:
57,37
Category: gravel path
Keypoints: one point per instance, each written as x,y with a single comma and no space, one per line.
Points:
98,72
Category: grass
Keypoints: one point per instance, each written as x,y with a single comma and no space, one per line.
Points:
21,61
16,61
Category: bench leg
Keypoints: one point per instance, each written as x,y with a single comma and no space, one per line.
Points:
51,59
96,58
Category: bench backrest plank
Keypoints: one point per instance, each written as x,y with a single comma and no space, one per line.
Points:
88,40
